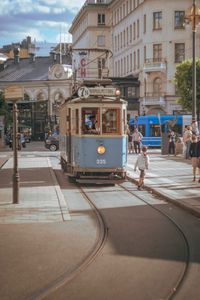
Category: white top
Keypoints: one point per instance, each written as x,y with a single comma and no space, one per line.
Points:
142,162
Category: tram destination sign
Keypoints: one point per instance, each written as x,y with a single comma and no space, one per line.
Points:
102,91
85,92
13,93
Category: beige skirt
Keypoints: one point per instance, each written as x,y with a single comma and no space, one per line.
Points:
195,162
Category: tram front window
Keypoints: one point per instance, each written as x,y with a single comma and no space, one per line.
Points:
110,122
90,121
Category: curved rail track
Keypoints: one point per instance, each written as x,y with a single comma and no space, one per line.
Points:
183,274
100,243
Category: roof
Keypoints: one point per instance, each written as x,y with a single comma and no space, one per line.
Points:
26,70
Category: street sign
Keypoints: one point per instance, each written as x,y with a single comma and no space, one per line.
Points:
14,93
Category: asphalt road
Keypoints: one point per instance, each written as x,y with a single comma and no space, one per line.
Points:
152,249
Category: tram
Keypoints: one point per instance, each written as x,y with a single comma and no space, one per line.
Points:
93,140
153,126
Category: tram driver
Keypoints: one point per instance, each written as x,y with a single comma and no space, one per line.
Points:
91,126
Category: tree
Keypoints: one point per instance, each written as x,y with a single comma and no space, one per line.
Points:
4,109
183,82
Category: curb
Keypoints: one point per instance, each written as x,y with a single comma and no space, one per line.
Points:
62,203
168,199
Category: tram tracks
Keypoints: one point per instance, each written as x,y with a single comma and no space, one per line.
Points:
177,286
100,242
65,278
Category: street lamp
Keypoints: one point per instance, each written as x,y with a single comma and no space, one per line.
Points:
194,17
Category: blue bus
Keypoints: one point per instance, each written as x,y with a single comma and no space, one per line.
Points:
153,126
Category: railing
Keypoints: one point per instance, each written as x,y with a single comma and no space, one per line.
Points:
154,65
154,99
97,2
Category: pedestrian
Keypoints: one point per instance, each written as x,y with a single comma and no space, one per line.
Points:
198,156
194,156
179,146
187,139
142,163
130,140
137,139
172,137
194,127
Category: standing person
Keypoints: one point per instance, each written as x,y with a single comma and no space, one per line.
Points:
194,156
198,157
130,140
137,138
187,139
194,127
172,137
142,163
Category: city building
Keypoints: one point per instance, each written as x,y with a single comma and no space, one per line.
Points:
46,83
147,40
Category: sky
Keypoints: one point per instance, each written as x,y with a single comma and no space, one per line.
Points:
43,20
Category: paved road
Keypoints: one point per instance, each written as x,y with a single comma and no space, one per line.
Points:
37,245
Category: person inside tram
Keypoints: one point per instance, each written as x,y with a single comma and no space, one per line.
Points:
91,126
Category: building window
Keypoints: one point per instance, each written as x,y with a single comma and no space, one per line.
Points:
101,66
179,52
157,20
131,62
101,19
179,17
157,87
145,53
132,92
145,24
138,28
131,33
134,31
157,52
138,58
101,41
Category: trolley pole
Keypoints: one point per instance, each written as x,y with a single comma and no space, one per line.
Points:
15,156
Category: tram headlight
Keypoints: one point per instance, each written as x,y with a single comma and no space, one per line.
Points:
101,149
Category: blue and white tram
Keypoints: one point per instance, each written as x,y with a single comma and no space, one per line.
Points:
93,140
152,126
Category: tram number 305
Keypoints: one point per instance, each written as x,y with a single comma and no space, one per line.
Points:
101,161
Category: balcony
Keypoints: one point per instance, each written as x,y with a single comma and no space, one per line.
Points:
97,2
153,99
155,65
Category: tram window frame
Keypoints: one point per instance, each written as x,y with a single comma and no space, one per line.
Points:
153,131
107,122
77,121
88,113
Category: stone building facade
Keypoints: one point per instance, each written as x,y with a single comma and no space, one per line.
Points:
147,40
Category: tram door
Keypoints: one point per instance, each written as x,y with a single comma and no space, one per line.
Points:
69,137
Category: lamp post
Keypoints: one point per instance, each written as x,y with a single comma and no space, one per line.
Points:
194,18
12,94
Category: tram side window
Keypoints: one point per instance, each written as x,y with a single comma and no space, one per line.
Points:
90,121
110,121
155,130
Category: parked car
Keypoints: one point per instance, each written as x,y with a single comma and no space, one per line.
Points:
52,143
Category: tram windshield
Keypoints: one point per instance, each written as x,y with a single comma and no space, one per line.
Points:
110,123
90,121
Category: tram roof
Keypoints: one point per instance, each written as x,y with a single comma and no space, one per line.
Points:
112,100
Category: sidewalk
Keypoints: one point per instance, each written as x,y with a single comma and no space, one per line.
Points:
42,200
40,197
171,177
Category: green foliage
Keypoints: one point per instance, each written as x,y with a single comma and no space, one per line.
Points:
4,110
183,82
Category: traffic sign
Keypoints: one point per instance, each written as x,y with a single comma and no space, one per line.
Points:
13,93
